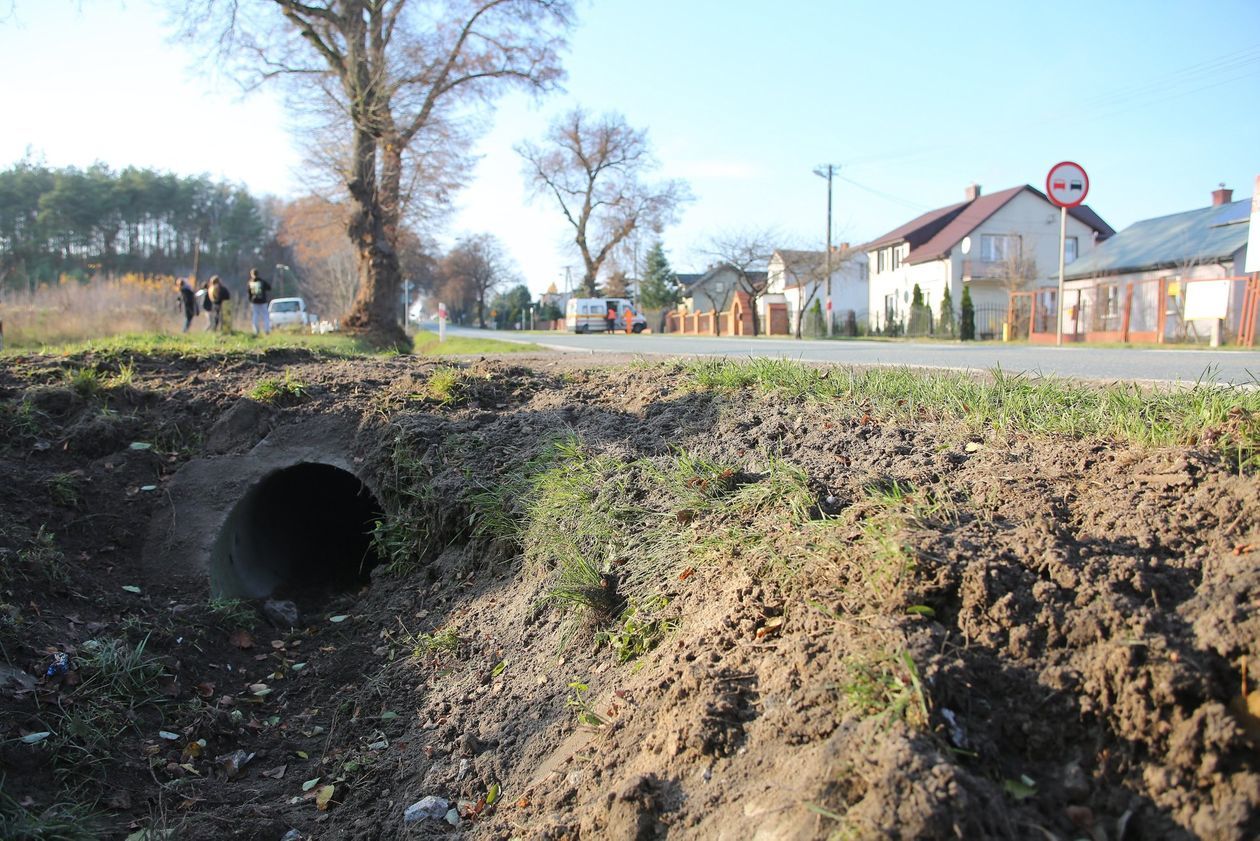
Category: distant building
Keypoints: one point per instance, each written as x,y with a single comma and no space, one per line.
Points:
797,279
715,289
553,297
1134,286
995,244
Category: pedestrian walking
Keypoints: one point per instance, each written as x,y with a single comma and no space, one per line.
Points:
259,295
218,295
610,319
188,300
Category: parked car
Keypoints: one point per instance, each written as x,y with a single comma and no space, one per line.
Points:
290,312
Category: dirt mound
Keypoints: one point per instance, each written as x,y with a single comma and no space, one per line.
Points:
614,604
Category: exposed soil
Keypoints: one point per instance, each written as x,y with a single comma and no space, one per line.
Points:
1059,652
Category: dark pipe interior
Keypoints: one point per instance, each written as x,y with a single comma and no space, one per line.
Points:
303,529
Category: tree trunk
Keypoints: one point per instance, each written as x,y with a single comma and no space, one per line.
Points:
374,313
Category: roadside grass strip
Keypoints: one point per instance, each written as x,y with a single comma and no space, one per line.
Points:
1227,417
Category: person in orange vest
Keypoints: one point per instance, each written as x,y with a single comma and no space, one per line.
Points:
629,318
610,318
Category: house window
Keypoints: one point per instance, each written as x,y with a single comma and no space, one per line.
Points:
896,257
879,260
998,248
1070,252
1111,302
890,308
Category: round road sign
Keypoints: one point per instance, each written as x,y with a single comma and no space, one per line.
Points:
1067,184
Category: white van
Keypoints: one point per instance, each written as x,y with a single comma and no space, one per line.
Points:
590,315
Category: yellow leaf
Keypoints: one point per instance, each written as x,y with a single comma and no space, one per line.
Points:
324,797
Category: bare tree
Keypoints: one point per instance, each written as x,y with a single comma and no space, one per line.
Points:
478,266
404,78
745,252
595,167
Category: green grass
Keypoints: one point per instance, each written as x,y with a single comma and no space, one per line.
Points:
444,385
885,685
38,556
63,489
640,628
233,613
427,344
119,672
119,678
197,345
286,389
19,421
1227,417
215,345
85,382
64,820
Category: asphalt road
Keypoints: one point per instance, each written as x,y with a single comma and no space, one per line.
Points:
1187,366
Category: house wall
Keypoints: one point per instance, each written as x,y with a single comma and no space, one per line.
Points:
848,289
1036,222
1031,218
931,276
1145,307
704,297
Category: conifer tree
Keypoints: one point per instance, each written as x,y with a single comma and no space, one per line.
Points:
659,287
946,320
967,329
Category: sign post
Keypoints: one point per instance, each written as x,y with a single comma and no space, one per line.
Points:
1066,186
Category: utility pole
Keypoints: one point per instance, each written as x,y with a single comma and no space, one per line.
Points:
827,171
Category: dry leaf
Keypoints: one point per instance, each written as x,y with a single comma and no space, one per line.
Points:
686,573
205,689
241,638
276,773
324,797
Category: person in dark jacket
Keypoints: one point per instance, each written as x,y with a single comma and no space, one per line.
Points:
218,295
188,299
259,294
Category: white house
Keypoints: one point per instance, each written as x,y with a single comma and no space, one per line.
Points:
797,279
994,244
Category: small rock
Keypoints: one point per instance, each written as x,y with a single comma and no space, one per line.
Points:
16,679
452,817
426,808
291,835
1081,816
1075,783
282,613
463,769
233,764
470,745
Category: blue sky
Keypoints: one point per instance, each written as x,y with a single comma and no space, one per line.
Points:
1159,101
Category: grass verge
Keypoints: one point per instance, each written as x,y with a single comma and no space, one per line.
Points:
1223,416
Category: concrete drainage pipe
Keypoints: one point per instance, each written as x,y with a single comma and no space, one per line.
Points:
303,528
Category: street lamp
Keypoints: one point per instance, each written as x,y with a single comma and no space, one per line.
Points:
826,171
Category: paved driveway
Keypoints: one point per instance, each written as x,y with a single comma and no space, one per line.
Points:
1230,366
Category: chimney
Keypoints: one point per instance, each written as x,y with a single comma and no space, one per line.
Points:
973,191
1222,196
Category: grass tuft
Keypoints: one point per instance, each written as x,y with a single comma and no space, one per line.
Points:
286,389
886,685
60,821
233,613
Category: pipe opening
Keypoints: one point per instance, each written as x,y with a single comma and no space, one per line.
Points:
300,532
